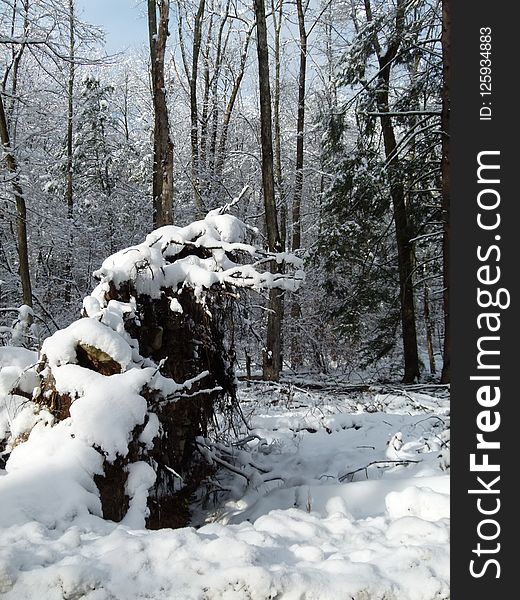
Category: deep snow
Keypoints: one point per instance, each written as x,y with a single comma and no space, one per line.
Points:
328,525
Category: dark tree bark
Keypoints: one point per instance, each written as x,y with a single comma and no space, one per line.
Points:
300,126
428,323
445,171
296,356
194,133
277,14
21,209
272,360
281,200
403,234
69,190
162,188
70,112
204,117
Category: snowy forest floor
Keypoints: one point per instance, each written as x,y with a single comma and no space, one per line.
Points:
347,497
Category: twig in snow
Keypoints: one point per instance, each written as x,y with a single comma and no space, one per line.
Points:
342,478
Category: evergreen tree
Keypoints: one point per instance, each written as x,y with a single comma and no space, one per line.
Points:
380,235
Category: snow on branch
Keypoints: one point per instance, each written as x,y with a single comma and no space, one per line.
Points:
209,252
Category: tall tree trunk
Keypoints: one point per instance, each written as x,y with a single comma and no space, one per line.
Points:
277,23
69,191
125,110
403,237
277,15
204,117
296,355
194,133
300,126
403,234
445,171
272,359
219,57
162,188
428,323
21,210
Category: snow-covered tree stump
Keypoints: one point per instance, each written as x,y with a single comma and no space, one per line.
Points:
139,376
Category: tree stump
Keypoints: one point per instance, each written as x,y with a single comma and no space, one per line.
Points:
151,356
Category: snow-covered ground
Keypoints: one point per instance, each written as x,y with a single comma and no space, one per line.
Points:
347,497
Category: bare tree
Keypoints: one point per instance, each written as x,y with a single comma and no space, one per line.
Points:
277,15
228,111
70,113
208,35
207,85
162,188
21,209
193,79
296,357
220,52
69,191
272,360
445,170
17,51
9,156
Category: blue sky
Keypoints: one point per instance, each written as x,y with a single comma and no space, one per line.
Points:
123,21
